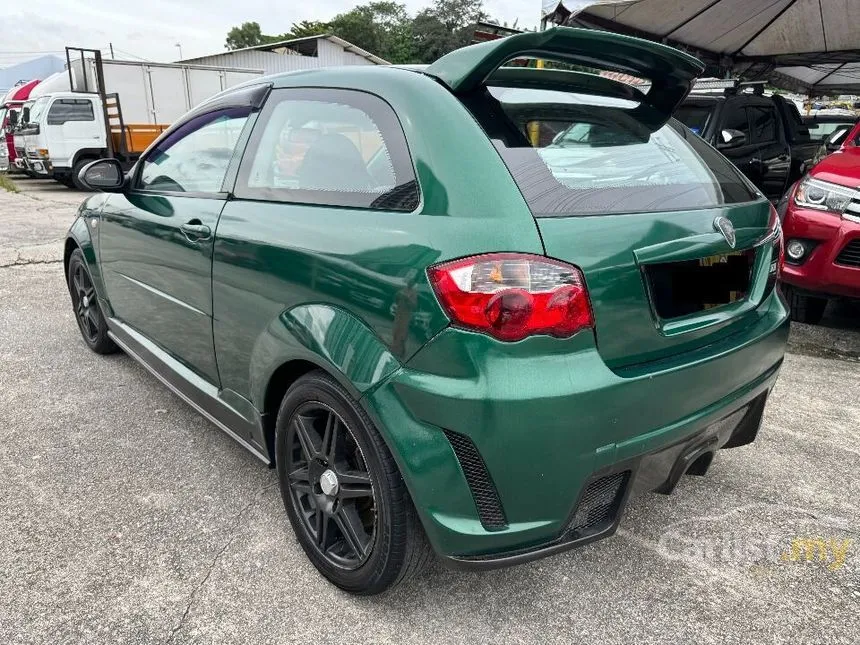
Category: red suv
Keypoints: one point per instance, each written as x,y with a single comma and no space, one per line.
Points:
821,226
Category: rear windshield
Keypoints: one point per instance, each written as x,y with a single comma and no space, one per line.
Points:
577,154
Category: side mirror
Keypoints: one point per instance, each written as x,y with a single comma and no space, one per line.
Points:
731,139
103,174
25,115
13,118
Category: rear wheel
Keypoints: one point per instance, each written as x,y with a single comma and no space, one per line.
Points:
85,303
805,309
343,493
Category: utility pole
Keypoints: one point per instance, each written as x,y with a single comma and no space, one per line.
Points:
179,45
111,50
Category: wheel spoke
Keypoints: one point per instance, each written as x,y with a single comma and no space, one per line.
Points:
350,526
321,532
329,443
90,293
76,280
354,484
300,480
304,437
92,321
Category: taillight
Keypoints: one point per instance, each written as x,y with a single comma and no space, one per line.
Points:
512,295
775,233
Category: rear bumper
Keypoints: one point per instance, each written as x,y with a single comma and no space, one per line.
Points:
658,471
548,418
821,273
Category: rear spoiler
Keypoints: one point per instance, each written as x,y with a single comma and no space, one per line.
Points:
670,71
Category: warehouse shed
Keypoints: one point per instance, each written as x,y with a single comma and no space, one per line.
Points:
289,55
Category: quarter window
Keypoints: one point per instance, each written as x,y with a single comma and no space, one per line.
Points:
193,158
63,110
332,147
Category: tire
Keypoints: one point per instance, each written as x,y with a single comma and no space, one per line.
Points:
85,305
369,489
76,169
805,309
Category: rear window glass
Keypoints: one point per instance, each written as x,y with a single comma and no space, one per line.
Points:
575,154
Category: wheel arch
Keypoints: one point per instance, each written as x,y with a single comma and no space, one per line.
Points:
314,337
88,153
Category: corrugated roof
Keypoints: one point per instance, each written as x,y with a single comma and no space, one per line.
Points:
813,43
348,46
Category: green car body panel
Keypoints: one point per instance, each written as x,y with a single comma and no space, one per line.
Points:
281,287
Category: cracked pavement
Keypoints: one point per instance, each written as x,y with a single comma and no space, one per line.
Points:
128,518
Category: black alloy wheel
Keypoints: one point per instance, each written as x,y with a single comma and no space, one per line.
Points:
342,490
85,304
330,485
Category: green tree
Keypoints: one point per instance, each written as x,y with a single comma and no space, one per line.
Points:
248,34
382,28
306,28
444,27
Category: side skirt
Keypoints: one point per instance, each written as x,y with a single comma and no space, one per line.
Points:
197,395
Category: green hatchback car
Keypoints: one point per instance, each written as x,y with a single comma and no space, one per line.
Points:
465,309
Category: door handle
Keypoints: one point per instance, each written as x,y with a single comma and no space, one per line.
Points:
195,231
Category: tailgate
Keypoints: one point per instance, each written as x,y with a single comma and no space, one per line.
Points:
624,258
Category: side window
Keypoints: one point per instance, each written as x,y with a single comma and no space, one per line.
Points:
763,121
736,119
193,158
332,147
63,110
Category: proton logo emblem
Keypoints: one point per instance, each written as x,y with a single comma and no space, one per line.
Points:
723,225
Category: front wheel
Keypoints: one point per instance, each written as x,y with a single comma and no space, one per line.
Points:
343,493
805,309
85,303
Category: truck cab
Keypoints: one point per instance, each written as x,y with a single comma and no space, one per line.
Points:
65,130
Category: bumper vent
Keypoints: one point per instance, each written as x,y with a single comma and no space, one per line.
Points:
483,490
850,254
599,505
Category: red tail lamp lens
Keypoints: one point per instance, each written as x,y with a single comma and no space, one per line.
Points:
511,296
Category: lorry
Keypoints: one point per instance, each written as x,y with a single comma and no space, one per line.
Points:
10,110
111,109
764,136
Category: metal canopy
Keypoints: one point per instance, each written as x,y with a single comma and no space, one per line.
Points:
806,45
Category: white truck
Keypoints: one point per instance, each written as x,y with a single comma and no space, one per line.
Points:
110,108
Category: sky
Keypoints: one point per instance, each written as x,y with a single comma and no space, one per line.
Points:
151,29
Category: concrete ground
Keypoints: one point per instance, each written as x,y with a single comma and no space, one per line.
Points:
128,518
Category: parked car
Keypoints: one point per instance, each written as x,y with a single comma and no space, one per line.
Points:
465,305
821,220
764,136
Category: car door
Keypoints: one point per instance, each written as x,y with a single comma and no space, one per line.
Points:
772,152
734,117
156,238
319,224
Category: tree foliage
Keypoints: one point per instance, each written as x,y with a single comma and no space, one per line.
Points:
248,34
385,28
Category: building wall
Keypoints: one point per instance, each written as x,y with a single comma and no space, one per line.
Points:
328,54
